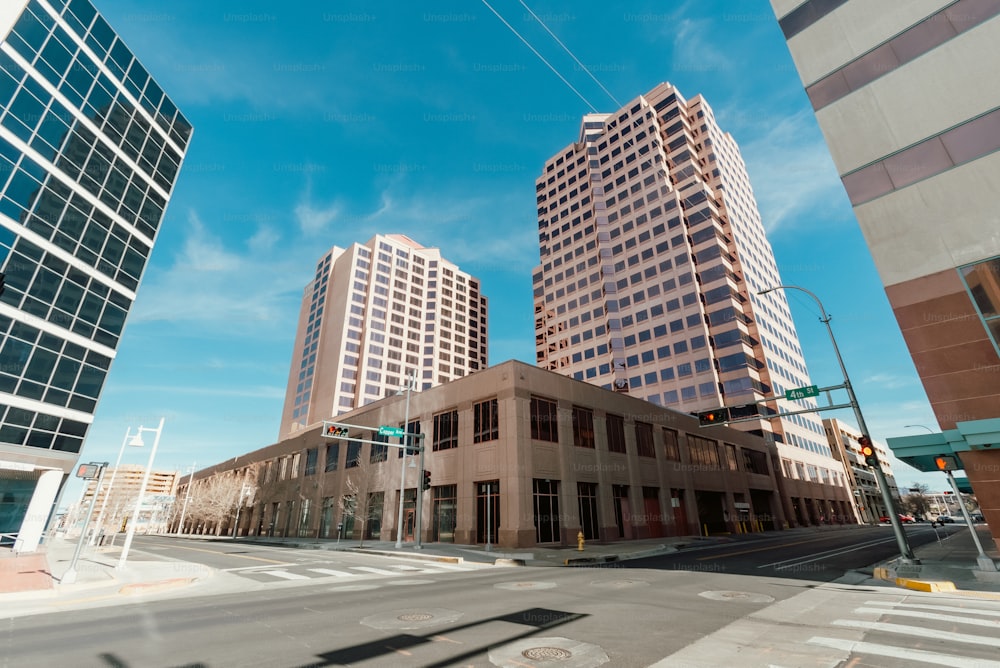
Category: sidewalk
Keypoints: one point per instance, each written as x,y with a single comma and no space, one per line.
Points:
948,565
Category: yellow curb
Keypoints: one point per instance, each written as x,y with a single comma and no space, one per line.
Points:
922,585
881,574
144,587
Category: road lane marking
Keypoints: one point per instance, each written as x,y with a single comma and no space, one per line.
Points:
990,623
914,631
286,575
798,561
228,554
917,655
254,568
330,571
760,549
377,571
939,608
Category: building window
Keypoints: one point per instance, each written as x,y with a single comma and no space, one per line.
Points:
312,454
671,447
332,457
487,511
353,454
731,457
446,430
703,452
380,451
583,427
982,280
644,439
543,420
589,522
546,511
444,513
486,421
616,433
619,496
755,461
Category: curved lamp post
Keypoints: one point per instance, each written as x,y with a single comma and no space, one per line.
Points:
137,442
897,526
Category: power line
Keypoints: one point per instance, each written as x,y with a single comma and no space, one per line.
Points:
540,57
571,54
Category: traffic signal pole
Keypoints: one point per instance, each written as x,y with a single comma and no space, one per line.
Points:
905,551
420,502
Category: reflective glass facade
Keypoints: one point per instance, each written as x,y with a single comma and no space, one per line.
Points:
90,148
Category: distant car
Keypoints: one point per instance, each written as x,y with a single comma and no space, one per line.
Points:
902,518
945,519
978,518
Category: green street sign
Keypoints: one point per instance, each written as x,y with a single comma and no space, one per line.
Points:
395,432
802,392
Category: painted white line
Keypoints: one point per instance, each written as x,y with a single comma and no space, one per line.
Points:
377,571
450,567
407,568
286,575
932,658
253,568
990,623
939,608
330,571
915,631
787,563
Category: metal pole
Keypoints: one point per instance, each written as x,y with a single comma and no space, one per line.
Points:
489,523
420,499
142,491
69,577
897,526
99,523
983,561
402,472
187,497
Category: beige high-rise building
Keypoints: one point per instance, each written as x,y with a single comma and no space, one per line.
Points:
652,252
905,95
373,313
868,502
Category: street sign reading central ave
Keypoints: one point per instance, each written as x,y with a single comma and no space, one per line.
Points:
394,432
802,392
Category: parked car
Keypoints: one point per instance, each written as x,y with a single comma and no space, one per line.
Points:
902,518
945,519
977,517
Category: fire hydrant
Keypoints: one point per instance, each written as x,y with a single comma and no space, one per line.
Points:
579,541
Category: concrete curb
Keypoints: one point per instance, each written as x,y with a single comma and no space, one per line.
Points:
147,587
888,574
408,555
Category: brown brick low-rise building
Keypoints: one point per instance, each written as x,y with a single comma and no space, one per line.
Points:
518,456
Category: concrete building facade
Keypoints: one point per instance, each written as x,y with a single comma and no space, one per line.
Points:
543,456
374,312
652,254
900,92
90,148
867,496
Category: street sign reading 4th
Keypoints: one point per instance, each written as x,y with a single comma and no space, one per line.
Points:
394,432
802,392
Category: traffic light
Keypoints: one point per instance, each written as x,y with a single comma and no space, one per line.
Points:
427,480
868,451
2,278
946,463
715,416
333,431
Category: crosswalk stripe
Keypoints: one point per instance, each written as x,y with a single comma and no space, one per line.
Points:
407,568
451,567
932,658
377,571
286,575
330,571
991,623
940,608
914,631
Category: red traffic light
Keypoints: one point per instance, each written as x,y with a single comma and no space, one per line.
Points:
868,451
427,480
716,416
946,463
334,431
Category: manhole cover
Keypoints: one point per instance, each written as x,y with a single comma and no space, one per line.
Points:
748,596
547,654
415,617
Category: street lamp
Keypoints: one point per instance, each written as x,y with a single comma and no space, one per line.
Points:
918,426
904,547
99,523
410,380
137,442
187,497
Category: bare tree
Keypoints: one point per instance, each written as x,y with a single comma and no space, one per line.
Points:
362,500
214,499
916,501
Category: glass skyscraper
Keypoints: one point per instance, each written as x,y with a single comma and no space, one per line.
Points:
90,148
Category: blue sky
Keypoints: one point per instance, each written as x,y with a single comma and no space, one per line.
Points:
320,124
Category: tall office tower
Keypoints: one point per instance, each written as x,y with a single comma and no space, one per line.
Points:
90,148
374,313
903,94
652,253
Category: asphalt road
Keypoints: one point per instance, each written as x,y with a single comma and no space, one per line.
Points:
823,556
